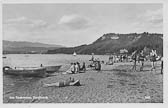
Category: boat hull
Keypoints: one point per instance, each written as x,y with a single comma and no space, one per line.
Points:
40,72
51,69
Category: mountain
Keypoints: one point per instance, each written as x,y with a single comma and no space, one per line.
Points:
27,47
113,43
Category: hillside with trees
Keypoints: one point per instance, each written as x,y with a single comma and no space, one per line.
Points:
113,43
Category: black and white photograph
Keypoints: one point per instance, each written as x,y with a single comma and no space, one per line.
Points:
82,52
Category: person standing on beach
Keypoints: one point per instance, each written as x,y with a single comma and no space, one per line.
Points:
153,58
134,57
111,59
162,65
120,58
92,58
141,59
79,67
117,58
99,65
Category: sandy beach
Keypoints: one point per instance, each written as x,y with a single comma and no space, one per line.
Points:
114,84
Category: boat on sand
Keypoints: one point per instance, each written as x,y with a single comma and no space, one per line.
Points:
25,71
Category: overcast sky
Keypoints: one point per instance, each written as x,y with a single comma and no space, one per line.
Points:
77,24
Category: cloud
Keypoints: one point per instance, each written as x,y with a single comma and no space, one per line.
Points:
154,16
151,19
75,22
25,24
22,20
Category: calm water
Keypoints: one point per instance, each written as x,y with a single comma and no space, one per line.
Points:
34,60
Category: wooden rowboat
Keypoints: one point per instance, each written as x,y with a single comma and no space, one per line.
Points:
25,71
51,69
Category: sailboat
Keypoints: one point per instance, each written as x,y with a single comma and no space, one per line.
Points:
74,54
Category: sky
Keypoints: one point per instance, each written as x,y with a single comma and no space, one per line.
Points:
76,24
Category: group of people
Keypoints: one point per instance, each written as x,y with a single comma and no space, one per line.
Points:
95,63
123,58
140,57
77,68
137,56
117,58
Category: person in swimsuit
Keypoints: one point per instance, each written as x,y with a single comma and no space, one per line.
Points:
68,82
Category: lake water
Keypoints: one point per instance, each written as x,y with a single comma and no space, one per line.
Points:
34,60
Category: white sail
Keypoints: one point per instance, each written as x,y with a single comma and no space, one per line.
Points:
74,53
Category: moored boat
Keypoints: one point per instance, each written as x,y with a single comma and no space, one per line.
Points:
25,71
51,69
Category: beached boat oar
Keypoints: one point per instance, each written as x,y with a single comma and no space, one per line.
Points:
51,69
25,71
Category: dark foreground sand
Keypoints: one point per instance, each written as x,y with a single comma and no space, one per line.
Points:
114,84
